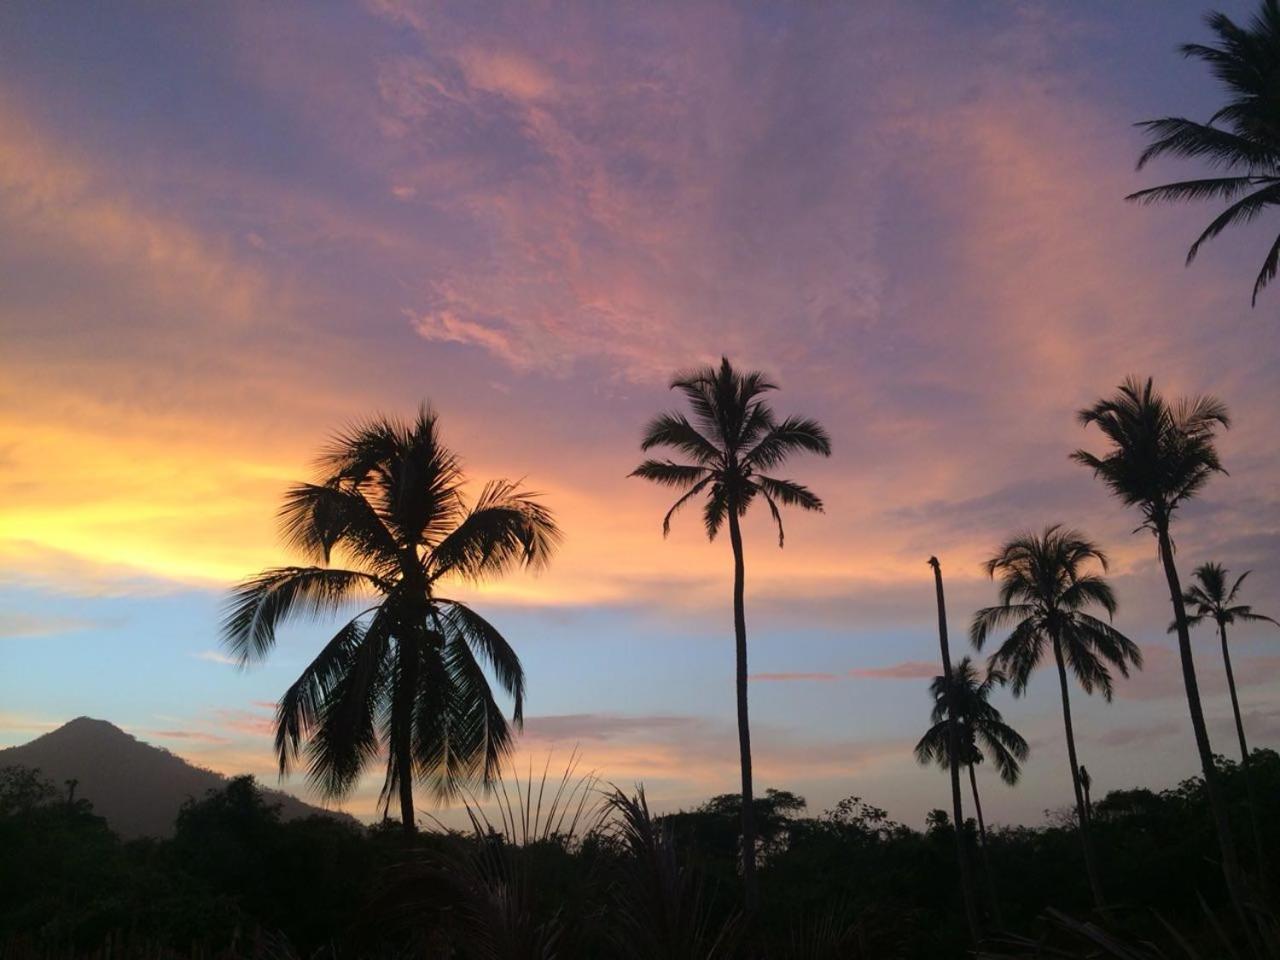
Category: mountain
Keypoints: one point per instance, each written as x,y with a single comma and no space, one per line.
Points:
136,787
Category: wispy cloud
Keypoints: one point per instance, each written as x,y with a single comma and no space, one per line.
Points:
907,670
217,656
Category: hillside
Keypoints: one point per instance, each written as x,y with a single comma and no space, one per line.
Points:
138,788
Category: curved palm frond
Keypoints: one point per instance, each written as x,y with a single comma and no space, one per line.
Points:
315,518
460,621
299,710
1242,137
345,738
260,604
507,527
674,430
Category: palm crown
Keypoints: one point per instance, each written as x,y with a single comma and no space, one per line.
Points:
1242,138
1045,591
407,670
981,727
1162,454
733,436
1211,600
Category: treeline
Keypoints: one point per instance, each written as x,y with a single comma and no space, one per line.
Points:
594,874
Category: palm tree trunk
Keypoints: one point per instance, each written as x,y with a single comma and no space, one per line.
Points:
1082,814
751,895
953,751
1218,809
402,732
1244,759
982,845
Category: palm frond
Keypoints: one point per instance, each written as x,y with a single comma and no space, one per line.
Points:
668,473
259,605
490,645
674,430
507,527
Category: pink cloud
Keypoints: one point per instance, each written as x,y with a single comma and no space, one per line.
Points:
907,670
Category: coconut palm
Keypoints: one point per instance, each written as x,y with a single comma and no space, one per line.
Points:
981,732
406,673
1048,582
954,747
733,437
1211,600
1241,139
1161,455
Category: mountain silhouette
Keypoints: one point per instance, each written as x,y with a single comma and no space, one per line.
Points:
136,787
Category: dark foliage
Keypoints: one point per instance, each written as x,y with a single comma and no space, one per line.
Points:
236,881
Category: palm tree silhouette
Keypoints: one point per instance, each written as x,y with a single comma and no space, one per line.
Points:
734,435
1045,591
981,731
967,892
1246,60
406,672
1212,600
1162,455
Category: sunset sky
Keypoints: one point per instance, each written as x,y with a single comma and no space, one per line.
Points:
226,230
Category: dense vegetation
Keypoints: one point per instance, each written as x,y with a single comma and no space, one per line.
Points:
595,879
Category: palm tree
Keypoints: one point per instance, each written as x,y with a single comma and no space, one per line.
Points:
967,893
1046,589
1161,455
1212,600
406,672
981,732
733,437
1245,147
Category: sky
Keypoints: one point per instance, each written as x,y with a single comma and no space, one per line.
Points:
228,230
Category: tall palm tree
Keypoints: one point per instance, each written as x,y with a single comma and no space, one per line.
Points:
1241,139
967,893
981,731
1211,600
733,437
1047,585
407,671
1161,455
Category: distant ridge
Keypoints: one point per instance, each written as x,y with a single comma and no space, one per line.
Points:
136,787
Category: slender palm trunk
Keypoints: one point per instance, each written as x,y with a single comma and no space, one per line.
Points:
1082,813
1244,759
1217,807
402,732
953,751
751,895
982,846
1088,801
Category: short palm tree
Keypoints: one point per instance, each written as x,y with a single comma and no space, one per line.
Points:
1162,454
1241,139
1047,587
1211,600
980,732
733,437
406,673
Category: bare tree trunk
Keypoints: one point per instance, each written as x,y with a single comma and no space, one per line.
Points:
982,845
1245,768
1218,809
1082,813
953,751
751,894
